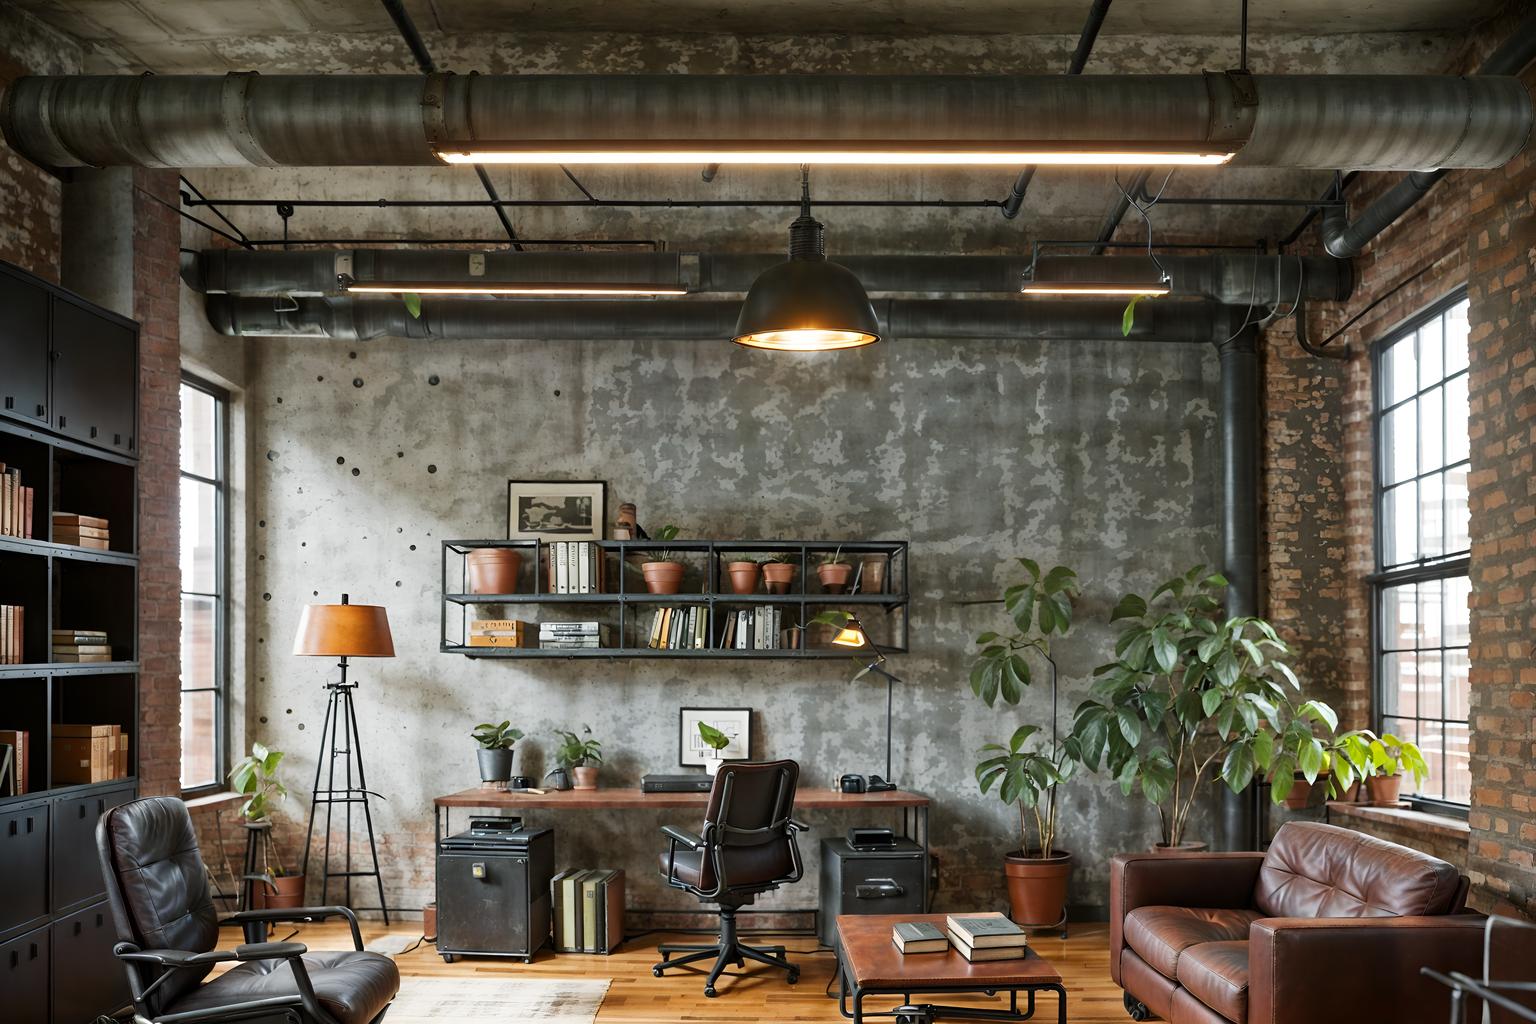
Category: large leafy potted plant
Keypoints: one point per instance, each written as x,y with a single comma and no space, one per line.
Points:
255,778
580,757
495,752
1193,696
1026,772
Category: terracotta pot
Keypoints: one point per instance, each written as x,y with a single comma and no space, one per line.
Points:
586,776
779,576
1350,795
1037,887
872,575
1188,846
1299,796
493,570
662,577
834,576
1383,790
289,893
429,922
744,576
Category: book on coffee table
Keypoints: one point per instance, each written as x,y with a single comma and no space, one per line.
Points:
985,931
918,937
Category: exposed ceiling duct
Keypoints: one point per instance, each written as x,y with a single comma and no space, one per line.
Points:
1372,122
1240,279
361,319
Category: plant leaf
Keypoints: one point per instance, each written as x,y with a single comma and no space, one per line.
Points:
412,304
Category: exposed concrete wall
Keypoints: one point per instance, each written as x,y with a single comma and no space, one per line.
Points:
1096,455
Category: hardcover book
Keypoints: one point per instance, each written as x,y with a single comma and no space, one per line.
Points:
919,937
985,954
984,931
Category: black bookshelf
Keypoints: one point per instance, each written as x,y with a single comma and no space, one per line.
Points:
68,423
626,607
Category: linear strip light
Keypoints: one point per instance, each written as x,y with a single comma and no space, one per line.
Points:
945,153
1093,288
514,288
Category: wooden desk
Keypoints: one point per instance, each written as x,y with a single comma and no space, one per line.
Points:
915,804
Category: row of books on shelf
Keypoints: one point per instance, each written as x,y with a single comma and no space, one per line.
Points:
81,754
552,635
977,937
750,629
81,531
588,910
13,620
15,504
573,567
81,645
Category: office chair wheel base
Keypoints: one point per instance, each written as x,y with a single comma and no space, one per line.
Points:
709,991
449,958
794,977
1136,1008
655,972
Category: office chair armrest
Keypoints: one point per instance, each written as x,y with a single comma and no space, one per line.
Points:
683,836
171,957
798,826
298,914
270,950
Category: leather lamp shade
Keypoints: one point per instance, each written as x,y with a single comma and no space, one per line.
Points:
344,630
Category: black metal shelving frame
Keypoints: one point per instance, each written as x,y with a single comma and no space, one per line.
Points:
713,555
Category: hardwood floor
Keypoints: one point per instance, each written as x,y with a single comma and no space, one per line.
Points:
636,997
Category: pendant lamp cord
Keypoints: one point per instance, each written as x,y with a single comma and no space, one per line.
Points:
805,190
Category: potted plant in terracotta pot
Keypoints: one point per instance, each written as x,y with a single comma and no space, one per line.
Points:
580,757
255,778
665,574
743,576
833,572
1027,772
778,574
493,570
1388,757
495,753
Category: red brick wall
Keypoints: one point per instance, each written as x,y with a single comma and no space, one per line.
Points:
31,211
156,240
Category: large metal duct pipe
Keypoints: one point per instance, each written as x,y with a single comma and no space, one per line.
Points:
1240,279
360,319
1374,122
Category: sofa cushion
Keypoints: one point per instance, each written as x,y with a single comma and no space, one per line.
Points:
1216,973
1317,870
1162,934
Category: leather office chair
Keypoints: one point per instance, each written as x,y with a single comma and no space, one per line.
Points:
161,905
747,847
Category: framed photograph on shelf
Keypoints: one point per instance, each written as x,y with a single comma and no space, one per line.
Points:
556,509
734,722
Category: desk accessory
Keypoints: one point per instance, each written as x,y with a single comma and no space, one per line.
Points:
343,630
851,784
675,783
692,749
851,633
871,838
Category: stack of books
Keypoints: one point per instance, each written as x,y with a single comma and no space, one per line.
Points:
982,937
574,567
89,753
15,504
919,937
680,629
588,911
81,531
12,633
20,742
501,633
570,635
755,629
81,645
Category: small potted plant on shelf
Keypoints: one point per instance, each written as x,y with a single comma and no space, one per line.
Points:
833,572
716,741
1387,757
665,574
255,778
778,574
580,757
743,576
493,570
495,753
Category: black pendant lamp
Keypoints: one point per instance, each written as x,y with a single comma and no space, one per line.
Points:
806,304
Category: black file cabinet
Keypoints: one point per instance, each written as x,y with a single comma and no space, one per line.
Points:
889,879
493,891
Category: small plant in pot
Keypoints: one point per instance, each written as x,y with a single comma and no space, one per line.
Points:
834,572
255,778
665,574
579,756
778,574
495,753
1387,757
743,576
716,741
493,570
1026,772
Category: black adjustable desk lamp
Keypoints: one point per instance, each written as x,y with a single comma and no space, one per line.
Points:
853,634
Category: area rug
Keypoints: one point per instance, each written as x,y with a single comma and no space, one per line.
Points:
498,1000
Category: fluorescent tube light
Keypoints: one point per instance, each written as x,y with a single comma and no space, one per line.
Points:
940,153
1093,288
514,288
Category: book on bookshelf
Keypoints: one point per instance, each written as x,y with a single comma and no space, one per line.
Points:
573,567
919,937
16,502
20,740
985,931
13,621
588,910
500,633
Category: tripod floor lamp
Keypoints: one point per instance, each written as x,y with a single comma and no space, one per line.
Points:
343,631
853,634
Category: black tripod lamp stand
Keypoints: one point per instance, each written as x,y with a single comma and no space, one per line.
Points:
853,634
343,631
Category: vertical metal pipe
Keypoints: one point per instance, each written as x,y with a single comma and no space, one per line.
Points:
1239,422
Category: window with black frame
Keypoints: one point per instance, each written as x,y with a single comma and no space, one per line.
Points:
204,610
1421,584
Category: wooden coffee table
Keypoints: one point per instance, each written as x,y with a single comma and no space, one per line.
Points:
871,965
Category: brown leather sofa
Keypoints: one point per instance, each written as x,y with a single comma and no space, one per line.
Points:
1328,925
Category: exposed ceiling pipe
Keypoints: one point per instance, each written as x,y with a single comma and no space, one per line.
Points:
1117,208
358,319
1374,122
1235,278
1085,42
1344,238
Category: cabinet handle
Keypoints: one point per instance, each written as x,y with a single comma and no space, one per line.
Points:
93,433
82,810
10,403
13,826
34,951
15,959
98,921
61,422
117,439
29,826
42,411
79,927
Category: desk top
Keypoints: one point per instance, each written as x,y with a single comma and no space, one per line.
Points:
634,799
874,962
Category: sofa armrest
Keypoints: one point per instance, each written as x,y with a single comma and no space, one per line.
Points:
1218,880
1311,969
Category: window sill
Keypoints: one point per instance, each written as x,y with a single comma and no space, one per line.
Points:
212,800
1402,817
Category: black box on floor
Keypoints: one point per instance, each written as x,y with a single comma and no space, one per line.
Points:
493,890
888,880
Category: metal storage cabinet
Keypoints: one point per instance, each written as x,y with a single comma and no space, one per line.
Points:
885,880
87,978
23,866
24,978
493,893
23,351
92,357
76,867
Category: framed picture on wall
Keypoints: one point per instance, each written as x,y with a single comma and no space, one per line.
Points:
734,722
556,509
